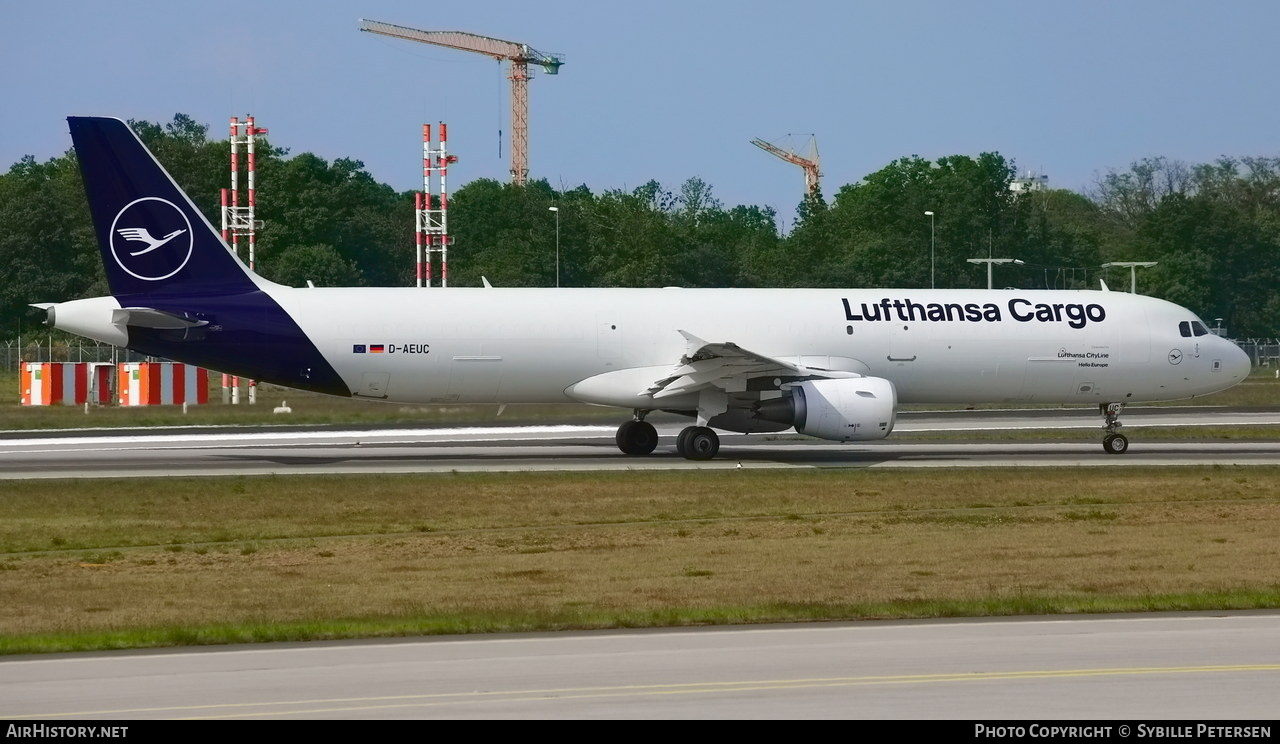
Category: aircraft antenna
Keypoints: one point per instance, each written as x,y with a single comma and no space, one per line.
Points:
517,54
809,162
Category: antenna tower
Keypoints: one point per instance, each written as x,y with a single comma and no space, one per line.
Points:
432,233
239,222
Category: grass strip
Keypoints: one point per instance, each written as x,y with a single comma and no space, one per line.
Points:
178,561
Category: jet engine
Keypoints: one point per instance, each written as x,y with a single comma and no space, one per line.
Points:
850,409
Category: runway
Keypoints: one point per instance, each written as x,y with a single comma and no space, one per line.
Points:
1128,670
300,450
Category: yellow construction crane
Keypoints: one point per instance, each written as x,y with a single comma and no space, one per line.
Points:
810,163
520,55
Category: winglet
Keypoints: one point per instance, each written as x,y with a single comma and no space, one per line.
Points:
693,346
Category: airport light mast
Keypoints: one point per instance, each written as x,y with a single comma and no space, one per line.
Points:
992,261
1133,267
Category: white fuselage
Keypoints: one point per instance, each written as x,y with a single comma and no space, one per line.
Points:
462,345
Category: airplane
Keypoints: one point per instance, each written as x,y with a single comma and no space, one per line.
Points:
831,363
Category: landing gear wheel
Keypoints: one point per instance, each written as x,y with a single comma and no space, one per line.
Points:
698,443
1115,444
682,440
637,438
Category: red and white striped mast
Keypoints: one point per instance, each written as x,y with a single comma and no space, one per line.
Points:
422,202
443,164
250,136
417,232
230,207
432,234
240,221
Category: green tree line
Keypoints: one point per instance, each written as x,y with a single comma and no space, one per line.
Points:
1213,228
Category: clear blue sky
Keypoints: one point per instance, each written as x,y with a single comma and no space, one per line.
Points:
670,89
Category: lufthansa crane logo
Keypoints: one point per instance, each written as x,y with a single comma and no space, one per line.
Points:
151,239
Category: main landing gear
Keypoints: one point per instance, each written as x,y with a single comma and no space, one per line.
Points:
697,443
638,437
1113,442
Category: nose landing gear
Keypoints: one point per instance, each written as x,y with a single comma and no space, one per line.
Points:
1113,442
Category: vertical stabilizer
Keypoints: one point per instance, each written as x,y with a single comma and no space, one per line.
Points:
152,237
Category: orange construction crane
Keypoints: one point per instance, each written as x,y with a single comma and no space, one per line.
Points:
520,56
810,163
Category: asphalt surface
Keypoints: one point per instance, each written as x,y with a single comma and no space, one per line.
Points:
1133,671
326,450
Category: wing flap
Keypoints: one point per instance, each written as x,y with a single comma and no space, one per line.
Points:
725,366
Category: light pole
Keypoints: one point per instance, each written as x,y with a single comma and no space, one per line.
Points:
931,252
1133,271
992,261
557,211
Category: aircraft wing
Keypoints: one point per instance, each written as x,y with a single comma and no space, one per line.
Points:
727,366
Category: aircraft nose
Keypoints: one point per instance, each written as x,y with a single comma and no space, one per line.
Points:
1235,363
1238,363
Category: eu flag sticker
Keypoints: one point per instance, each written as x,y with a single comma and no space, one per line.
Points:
357,349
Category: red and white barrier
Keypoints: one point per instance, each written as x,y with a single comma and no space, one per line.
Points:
162,384
68,383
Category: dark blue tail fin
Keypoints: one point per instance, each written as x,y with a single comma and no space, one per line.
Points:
153,239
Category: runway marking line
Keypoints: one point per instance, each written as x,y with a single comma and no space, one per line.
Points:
689,688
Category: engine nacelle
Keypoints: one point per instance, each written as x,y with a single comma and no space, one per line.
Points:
846,410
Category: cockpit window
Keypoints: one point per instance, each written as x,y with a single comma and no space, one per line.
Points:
1189,328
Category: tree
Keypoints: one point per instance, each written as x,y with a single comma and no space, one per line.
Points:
1128,196
1057,235
307,201
321,265
1212,260
631,241
876,233
47,247
505,233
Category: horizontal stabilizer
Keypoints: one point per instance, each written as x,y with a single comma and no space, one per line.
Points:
146,317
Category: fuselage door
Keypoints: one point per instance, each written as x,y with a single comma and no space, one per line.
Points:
373,385
904,342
